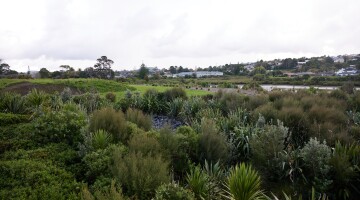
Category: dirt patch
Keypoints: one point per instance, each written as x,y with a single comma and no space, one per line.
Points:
24,88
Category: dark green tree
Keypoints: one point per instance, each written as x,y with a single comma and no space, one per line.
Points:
103,67
143,71
44,73
172,70
4,67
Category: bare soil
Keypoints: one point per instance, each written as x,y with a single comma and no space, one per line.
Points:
24,88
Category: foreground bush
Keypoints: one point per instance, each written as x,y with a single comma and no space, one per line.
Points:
110,121
173,191
140,174
27,179
9,118
62,125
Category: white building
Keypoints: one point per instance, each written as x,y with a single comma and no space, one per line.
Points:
350,71
199,74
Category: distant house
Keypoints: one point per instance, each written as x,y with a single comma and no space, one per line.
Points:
199,74
349,71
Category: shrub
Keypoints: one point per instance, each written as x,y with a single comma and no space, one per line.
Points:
35,98
28,179
174,93
90,101
139,118
213,146
152,102
111,121
266,147
13,103
9,118
345,162
111,97
198,182
97,163
244,183
145,144
51,127
66,95
100,139
175,107
173,191
191,107
316,157
141,174
113,193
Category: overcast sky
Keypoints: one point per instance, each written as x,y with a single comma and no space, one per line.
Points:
49,33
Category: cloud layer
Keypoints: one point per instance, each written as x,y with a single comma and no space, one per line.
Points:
48,33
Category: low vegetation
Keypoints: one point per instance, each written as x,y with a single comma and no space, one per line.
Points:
302,144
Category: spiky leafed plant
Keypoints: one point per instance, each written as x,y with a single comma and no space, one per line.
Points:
244,183
100,139
35,98
197,182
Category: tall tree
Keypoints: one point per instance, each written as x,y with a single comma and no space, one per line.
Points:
172,70
103,67
143,71
4,68
44,73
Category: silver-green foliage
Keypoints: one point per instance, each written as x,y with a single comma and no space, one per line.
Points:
316,156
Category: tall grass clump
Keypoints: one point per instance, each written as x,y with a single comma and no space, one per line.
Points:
100,139
174,93
13,103
110,121
35,98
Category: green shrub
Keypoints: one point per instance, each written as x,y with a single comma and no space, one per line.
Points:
145,144
316,157
244,183
345,169
100,139
111,97
90,101
35,98
198,182
152,102
173,191
112,193
66,95
213,146
111,121
139,118
27,179
174,93
191,107
267,147
141,174
61,125
9,118
175,107
13,103
97,163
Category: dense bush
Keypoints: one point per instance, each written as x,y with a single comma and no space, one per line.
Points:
9,118
173,191
27,179
139,118
62,125
174,93
13,103
111,121
111,97
316,157
141,174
